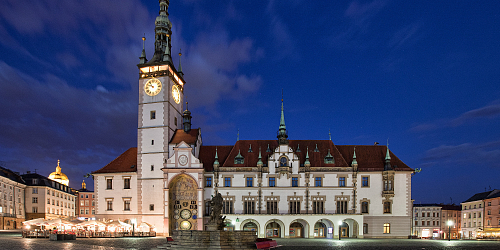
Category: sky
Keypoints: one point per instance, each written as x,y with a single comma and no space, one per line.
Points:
421,75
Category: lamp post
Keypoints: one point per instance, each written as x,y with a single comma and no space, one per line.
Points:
450,223
340,224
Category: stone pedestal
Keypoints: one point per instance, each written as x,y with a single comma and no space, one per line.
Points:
212,240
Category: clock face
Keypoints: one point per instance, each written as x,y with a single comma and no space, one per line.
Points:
185,214
283,161
183,160
152,87
185,225
176,93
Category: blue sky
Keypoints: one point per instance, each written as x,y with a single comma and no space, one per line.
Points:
424,75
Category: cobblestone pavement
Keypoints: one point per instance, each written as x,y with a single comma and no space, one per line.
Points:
14,241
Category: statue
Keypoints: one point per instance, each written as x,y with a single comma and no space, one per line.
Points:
216,221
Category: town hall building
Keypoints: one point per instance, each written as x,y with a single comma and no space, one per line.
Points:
278,187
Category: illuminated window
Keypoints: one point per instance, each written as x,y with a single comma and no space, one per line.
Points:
387,228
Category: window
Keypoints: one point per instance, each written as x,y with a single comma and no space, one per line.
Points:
207,208
489,203
151,207
364,207
82,203
86,211
428,223
341,207
35,190
416,223
208,182
433,223
295,181
423,223
109,205
227,181
365,181
152,167
249,207
109,184
423,214
34,181
175,121
479,214
35,200
317,182
126,205
272,182
35,210
365,228
48,201
341,181
272,207
249,182
387,228
86,203
93,203
318,207
388,185
152,115
428,214
489,212
126,183
152,142
294,207
227,207
81,211
387,207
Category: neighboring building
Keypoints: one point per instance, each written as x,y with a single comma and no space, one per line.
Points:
85,203
451,214
12,188
47,199
472,215
427,220
278,188
492,215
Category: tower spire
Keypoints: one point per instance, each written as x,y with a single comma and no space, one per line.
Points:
387,158
282,133
143,58
354,161
186,117
163,33
180,66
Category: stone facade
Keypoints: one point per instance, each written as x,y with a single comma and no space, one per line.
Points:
12,202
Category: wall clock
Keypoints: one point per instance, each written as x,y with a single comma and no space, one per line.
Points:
152,87
176,93
185,214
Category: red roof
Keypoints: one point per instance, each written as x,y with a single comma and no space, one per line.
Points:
369,158
189,137
126,162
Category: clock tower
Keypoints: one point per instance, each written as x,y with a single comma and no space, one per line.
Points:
161,94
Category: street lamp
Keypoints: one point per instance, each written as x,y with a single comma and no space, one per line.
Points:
340,224
450,223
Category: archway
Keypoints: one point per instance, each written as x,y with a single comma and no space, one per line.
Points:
320,230
251,226
183,209
296,230
274,229
351,228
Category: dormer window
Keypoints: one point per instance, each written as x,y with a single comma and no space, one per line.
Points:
329,158
239,159
283,161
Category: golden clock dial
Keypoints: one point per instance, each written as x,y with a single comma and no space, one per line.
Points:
176,93
185,214
152,87
185,225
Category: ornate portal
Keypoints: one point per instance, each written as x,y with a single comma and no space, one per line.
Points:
183,203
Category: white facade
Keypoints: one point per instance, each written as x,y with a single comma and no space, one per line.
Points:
427,220
472,218
12,201
279,188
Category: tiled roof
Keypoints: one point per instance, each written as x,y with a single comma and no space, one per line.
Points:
44,181
427,205
494,194
369,158
189,137
126,162
479,196
7,173
451,207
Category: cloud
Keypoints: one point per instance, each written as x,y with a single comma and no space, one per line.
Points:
361,13
490,111
465,154
281,36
